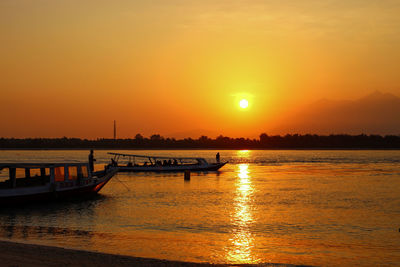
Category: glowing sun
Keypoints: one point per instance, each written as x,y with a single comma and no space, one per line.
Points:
244,103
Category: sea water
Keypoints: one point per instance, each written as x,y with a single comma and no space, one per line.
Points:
300,207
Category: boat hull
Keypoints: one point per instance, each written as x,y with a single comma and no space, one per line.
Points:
208,167
51,193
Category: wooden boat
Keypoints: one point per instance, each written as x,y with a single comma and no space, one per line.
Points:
142,163
25,182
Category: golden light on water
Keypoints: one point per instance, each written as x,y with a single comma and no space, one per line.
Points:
240,250
244,182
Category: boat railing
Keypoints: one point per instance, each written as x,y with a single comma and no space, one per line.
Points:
154,160
40,174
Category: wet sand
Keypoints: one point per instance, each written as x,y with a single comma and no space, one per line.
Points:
21,255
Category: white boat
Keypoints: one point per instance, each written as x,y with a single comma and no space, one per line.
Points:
143,163
26,182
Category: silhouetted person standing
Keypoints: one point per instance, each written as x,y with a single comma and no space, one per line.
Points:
91,160
217,157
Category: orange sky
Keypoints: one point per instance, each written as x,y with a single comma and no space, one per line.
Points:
69,68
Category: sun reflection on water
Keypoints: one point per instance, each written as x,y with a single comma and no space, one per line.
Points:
240,249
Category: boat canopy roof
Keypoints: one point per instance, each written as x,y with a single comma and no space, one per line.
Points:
156,157
40,165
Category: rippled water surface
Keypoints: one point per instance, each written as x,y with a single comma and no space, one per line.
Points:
302,207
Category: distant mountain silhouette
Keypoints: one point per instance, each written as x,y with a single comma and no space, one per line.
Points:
376,113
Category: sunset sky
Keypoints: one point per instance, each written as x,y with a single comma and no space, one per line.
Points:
69,68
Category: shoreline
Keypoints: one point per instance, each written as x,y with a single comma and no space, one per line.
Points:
33,255
216,149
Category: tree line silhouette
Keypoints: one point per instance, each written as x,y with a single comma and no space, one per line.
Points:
156,141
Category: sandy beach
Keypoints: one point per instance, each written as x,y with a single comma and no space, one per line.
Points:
21,255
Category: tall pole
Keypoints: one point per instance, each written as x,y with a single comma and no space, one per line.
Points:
115,130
